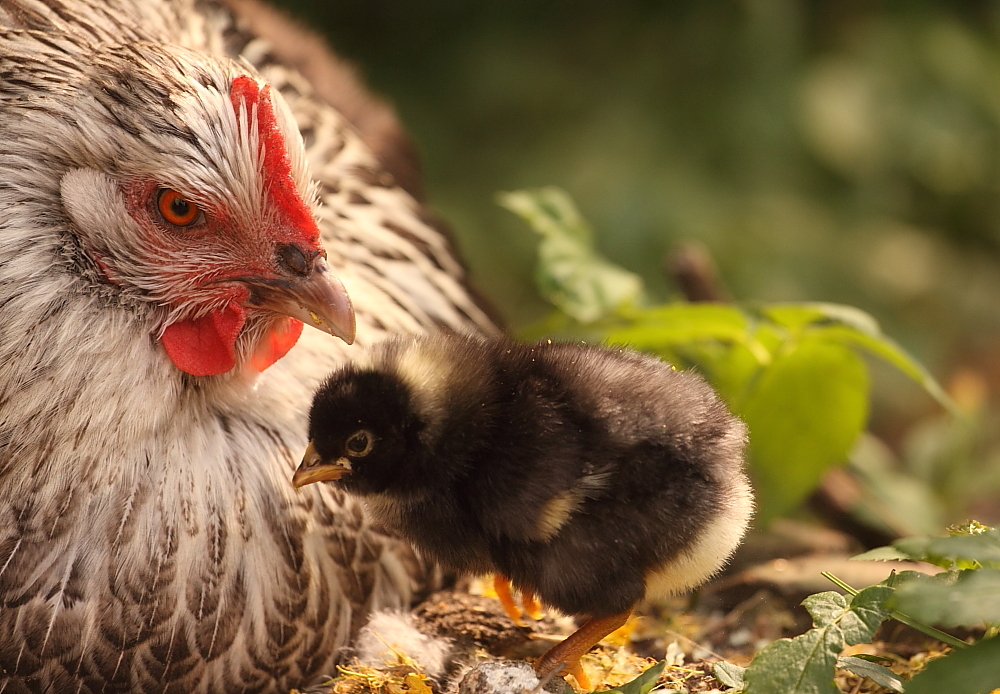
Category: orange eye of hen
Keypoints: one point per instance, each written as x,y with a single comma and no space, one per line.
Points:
176,209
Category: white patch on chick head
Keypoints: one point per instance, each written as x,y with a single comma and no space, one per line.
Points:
428,372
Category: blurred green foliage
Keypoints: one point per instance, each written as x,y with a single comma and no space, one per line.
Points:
822,150
836,151
792,372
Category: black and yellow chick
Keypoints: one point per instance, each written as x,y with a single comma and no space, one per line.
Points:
589,477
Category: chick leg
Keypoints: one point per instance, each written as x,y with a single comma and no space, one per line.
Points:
578,643
501,584
532,607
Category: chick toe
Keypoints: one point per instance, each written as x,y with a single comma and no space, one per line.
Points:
532,607
576,644
501,584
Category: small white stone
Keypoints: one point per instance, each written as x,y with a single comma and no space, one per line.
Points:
505,677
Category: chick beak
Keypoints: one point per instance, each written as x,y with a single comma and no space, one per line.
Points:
313,469
309,291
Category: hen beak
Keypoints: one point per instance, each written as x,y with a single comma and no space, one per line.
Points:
316,297
313,469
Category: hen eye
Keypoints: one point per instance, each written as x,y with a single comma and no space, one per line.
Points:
176,209
359,443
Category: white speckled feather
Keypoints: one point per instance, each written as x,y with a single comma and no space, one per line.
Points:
150,539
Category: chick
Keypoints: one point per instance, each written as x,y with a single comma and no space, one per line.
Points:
592,478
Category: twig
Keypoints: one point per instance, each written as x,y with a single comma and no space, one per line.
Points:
545,680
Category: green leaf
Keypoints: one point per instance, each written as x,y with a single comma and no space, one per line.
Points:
643,683
803,665
973,670
571,273
898,578
868,610
820,313
825,608
858,620
670,325
882,554
889,351
964,551
804,412
891,498
853,327
729,675
714,338
730,368
879,674
968,600
872,658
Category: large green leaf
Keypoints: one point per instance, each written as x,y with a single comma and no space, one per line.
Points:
713,338
792,371
818,313
804,413
973,670
676,324
853,327
571,273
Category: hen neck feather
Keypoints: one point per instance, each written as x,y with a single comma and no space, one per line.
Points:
85,389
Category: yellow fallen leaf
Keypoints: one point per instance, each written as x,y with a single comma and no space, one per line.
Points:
415,684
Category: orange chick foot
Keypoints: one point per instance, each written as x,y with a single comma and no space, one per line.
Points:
501,584
570,650
532,607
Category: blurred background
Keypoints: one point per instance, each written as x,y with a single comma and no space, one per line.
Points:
839,151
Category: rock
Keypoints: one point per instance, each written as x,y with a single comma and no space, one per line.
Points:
507,677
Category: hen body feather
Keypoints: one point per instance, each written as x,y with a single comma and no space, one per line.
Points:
149,537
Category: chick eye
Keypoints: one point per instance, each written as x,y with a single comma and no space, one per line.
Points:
176,209
359,444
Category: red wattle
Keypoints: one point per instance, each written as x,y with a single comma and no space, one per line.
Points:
277,343
205,346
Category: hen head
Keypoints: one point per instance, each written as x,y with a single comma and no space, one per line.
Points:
187,188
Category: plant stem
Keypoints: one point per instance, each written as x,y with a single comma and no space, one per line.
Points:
840,584
929,630
900,617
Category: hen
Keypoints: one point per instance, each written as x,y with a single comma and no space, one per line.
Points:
160,240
